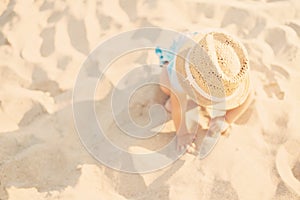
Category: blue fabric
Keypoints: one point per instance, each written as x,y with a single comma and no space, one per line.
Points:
169,56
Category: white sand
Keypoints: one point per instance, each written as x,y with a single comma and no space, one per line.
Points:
42,46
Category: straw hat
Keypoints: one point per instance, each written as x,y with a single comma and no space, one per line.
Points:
215,71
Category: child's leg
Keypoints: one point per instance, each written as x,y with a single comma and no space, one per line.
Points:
232,115
179,107
164,80
216,123
178,102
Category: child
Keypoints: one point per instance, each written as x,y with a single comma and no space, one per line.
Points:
214,74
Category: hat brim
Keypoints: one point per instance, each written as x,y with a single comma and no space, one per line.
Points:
230,102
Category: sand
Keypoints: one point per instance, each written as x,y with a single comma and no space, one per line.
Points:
42,47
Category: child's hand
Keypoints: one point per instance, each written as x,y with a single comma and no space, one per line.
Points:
186,141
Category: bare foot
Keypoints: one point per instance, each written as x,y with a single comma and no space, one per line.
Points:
218,124
168,105
186,141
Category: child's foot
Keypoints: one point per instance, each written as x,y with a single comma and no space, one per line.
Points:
168,105
186,141
218,124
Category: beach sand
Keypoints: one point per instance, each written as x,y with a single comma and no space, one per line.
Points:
43,44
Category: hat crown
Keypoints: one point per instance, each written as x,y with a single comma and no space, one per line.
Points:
221,61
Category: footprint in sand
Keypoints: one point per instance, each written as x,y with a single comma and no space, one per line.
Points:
246,22
77,34
47,47
223,190
295,26
273,87
3,6
287,164
282,41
